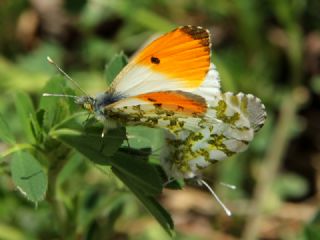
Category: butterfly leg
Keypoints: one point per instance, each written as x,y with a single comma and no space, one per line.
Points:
85,122
102,145
170,180
127,140
104,131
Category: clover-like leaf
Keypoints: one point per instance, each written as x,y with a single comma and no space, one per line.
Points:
5,133
115,66
29,176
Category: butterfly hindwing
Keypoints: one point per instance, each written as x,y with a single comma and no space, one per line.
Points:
229,126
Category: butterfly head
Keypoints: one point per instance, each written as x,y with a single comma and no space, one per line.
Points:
86,102
96,105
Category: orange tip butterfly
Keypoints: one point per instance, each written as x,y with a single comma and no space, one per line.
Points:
172,84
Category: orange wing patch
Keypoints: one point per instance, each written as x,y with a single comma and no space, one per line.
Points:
178,101
183,53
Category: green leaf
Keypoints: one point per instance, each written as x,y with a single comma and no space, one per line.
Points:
115,66
98,201
315,83
36,62
37,124
150,203
56,108
88,145
29,176
103,151
143,176
40,117
5,133
312,230
144,137
25,112
75,6
143,16
10,232
151,20
291,185
69,168
142,153
91,144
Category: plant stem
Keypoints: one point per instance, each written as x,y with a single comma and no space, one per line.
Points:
57,161
15,148
272,161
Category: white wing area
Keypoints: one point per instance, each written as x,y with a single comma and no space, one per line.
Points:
210,86
136,79
178,60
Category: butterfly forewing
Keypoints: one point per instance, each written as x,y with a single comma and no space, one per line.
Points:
166,109
178,60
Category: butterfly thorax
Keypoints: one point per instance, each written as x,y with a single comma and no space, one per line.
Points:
98,104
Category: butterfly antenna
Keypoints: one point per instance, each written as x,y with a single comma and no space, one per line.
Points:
170,180
230,186
227,211
59,95
66,75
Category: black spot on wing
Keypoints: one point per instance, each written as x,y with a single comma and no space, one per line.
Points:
155,60
151,100
158,104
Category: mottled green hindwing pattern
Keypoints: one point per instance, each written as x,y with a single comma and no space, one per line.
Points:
194,142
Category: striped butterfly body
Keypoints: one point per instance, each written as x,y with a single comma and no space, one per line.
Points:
172,84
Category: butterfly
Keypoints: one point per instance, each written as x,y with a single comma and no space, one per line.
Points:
172,84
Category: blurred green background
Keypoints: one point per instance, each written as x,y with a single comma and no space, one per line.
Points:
267,48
